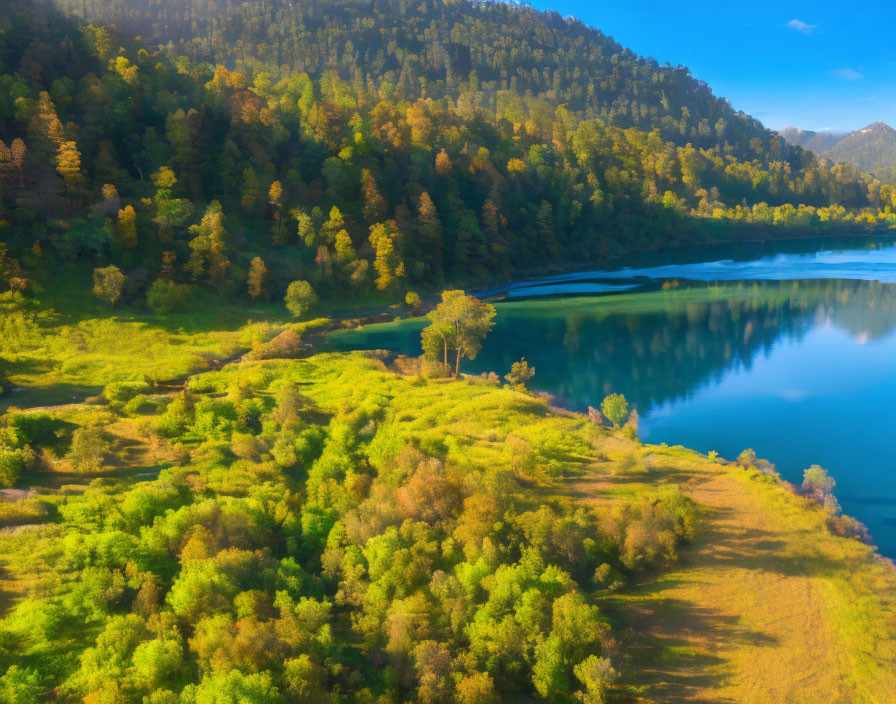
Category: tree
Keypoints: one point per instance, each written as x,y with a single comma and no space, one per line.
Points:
21,685
232,687
87,450
375,206
107,283
258,273
389,266
412,300
615,407
460,324
209,244
596,675
817,481
126,227
68,164
275,198
520,373
170,213
430,228
17,152
300,298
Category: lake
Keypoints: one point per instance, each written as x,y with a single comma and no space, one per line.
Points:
787,347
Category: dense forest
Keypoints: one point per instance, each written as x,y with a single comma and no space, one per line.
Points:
369,146
202,508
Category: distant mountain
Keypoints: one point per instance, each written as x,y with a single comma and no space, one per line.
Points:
871,149
817,142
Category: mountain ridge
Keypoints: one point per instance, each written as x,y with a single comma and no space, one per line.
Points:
872,148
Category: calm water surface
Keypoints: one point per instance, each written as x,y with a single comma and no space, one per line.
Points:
787,348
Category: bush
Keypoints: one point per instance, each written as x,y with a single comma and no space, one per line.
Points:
14,463
87,450
166,296
17,513
121,392
286,345
143,404
36,429
433,368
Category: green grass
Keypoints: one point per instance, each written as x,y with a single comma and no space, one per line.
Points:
765,606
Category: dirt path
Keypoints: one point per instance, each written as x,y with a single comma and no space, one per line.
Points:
759,609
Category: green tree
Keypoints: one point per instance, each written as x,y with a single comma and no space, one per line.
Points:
209,244
615,407
258,273
520,373
597,675
388,264
107,283
21,685
412,300
88,449
459,324
233,688
170,213
300,298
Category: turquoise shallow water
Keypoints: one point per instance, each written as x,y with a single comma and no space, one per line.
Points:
787,348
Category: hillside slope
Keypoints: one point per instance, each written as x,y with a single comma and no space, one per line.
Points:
369,150
871,148
512,57
817,142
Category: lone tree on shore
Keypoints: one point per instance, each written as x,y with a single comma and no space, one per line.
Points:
459,324
615,408
520,373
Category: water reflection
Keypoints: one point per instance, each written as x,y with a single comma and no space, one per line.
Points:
803,371
661,346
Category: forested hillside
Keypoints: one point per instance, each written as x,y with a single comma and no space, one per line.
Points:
871,149
369,146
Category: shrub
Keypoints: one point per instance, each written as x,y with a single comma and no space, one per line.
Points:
121,392
520,373
287,344
143,404
17,513
14,462
166,296
87,450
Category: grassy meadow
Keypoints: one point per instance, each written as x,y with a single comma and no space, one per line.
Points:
307,480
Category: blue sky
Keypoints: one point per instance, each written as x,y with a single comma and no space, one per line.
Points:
816,65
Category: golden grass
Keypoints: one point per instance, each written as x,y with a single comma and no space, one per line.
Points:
766,607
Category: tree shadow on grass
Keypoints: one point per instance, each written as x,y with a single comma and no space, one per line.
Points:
46,397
